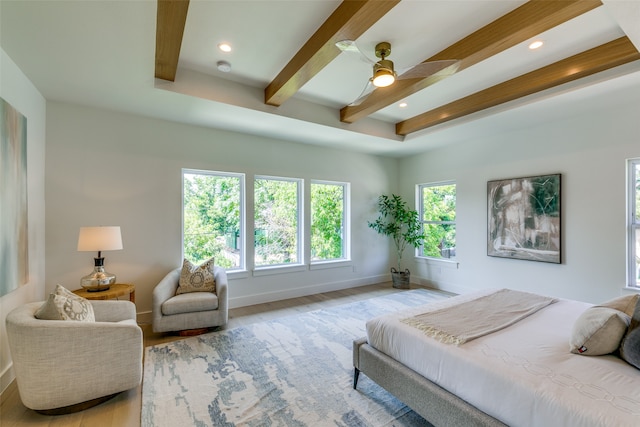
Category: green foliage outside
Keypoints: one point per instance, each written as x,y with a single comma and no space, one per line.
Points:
327,215
276,221
211,215
439,218
397,221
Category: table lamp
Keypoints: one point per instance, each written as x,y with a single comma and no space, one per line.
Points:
99,239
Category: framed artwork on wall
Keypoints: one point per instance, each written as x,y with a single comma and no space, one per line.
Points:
523,218
14,236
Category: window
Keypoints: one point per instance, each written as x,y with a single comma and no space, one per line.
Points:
277,216
212,217
437,203
328,221
214,220
633,223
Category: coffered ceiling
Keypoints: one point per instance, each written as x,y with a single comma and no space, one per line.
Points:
288,80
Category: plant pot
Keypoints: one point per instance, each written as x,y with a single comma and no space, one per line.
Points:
400,278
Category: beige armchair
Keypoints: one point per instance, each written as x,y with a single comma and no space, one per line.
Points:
191,311
62,366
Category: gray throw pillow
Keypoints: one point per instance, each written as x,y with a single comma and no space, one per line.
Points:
630,347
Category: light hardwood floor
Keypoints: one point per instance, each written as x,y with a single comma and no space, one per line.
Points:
124,409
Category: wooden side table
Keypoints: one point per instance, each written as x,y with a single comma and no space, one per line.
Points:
116,290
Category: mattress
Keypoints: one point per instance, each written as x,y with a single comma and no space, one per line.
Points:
523,375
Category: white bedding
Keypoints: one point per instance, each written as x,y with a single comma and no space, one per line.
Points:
523,375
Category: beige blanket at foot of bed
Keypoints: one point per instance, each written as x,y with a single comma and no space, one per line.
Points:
484,315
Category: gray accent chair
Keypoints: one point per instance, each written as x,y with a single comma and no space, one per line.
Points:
190,311
63,366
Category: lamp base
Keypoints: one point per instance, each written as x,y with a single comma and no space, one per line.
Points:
98,280
96,288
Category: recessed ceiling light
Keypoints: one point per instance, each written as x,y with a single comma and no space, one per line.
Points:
403,105
225,47
536,44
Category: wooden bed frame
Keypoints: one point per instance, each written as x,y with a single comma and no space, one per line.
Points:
435,404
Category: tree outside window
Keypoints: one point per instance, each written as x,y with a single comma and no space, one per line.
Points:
328,201
276,221
214,220
212,212
438,216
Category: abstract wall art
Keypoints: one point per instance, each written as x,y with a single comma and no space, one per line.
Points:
524,218
14,237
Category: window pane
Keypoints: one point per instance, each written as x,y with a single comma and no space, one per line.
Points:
276,222
327,221
633,223
439,203
636,279
211,218
637,192
438,216
440,240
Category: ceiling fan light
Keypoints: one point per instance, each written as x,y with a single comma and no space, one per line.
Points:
383,78
383,74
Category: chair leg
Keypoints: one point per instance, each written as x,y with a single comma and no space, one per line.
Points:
356,374
77,407
193,332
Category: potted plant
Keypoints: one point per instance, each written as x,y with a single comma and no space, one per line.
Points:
402,224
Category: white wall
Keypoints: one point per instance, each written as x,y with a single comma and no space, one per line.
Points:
18,91
590,152
107,168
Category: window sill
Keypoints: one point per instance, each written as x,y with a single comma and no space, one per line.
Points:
453,264
632,289
323,265
237,274
278,269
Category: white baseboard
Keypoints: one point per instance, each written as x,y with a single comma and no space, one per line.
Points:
305,290
441,285
145,317
6,377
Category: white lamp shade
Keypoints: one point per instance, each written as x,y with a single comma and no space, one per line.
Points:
99,239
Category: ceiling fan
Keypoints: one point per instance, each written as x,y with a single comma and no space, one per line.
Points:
383,71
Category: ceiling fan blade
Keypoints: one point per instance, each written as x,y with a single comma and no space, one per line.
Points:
350,46
347,46
364,94
426,69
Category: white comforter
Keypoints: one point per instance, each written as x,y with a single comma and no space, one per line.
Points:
523,375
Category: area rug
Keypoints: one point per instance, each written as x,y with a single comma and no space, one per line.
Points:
292,371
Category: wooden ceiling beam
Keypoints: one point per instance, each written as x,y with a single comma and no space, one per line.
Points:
347,22
170,20
604,57
517,26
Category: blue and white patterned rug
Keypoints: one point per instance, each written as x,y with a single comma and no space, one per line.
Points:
292,371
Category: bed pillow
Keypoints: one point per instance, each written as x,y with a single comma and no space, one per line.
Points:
196,278
625,304
63,304
630,346
598,331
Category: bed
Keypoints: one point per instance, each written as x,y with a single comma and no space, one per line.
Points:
522,375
